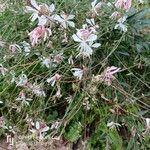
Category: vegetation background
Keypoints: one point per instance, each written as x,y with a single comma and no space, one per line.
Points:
84,119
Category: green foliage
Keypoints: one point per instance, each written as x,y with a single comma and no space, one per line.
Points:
74,132
85,107
115,140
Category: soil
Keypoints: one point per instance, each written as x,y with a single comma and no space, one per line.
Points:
3,145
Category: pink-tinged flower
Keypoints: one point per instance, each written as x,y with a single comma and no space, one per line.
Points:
3,70
36,89
123,4
85,37
65,20
115,15
58,58
14,48
52,80
41,12
23,47
2,121
39,129
23,99
108,74
39,33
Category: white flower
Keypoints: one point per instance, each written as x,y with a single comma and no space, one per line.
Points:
37,90
141,1
9,128
109,4
92,24
95,7
22,81
26,47
40,129
64,20
3,70
148,123
10,140
69,99
55,59
121,24
77,72
58,93
115,15
70,60
13,76
23,99
85,37
14,48
112,125
55,125
94,45
46,62
87,105
40,12
52,80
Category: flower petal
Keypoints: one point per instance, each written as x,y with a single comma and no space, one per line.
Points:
30,9
45,129
58,18
52,7
71,23
96,45
42,20
92,37
37,125
33,3
70,17
76,38
93,3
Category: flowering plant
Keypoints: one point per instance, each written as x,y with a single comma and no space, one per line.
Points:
75,72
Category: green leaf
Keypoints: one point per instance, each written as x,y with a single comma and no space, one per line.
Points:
139,15
115,140
74,132
130,144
